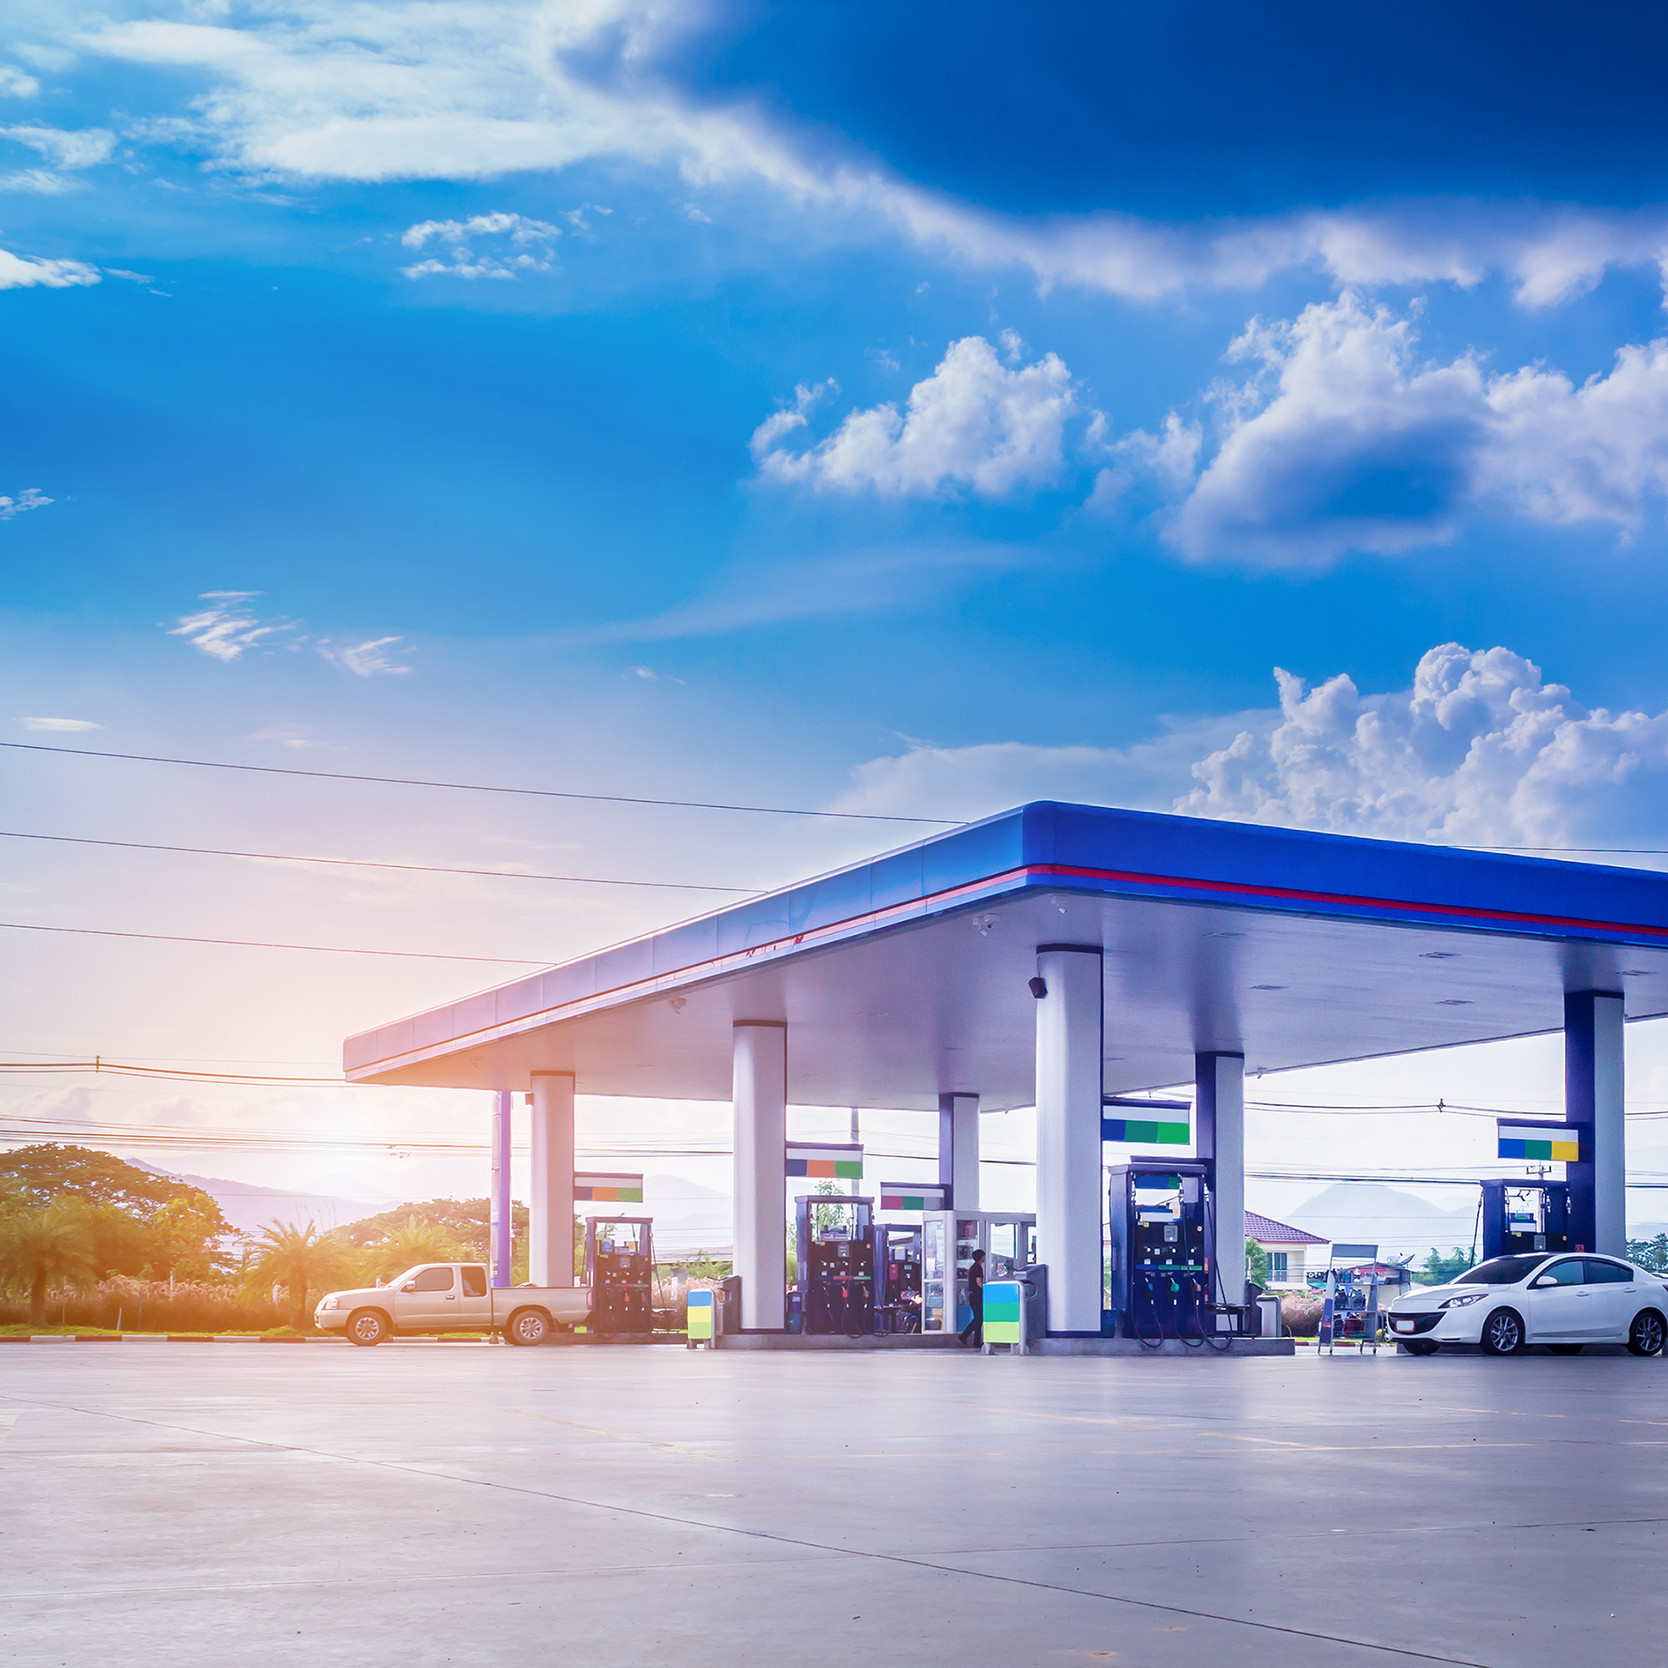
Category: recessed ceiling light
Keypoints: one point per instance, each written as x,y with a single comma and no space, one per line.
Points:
1638,972
1455,1002
1437,955
1268,987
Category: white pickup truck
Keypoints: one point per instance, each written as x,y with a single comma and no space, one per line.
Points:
451,1297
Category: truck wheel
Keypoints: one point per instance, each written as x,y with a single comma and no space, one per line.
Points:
527,1326
367,1327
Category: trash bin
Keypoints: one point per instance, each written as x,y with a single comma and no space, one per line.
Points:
705,1312
1268,1316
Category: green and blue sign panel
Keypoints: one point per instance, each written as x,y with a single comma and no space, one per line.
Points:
1145,1132
1004,1312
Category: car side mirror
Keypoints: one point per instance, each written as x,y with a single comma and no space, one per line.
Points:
1541,1280
409,1286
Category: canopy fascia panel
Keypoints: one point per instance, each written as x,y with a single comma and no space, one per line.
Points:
906,975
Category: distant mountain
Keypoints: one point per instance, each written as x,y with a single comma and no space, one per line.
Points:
248,1206
1398,1223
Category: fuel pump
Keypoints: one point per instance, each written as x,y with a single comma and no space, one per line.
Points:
619,1269
835,1241
1159,1215
1526,1215
898,1277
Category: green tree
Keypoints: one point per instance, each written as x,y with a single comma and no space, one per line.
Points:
415,1241
1256,1264
1650,1253
45,1247
1438,1270
301,1260
143,1223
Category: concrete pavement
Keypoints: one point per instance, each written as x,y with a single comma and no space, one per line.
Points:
199,1505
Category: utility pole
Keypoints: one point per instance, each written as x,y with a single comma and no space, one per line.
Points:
856,1139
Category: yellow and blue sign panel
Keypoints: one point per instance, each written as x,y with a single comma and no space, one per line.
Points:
703,1317
1004,1316
1553,1143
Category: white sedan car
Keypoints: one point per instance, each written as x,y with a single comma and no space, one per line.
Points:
1562,1300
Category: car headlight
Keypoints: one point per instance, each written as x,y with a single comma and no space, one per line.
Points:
329,1303
1462,1302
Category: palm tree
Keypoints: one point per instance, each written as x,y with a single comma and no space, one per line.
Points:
415,1241
42,1247
301,1260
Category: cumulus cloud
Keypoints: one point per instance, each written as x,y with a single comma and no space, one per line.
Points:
524,245
1344,439
226,628
31,498
405,89
975,426
59,724
20,272
375,657
1480,750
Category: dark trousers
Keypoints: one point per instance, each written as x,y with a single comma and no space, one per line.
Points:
975,1328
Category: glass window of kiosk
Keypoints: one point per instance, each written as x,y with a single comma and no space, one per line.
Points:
935,1263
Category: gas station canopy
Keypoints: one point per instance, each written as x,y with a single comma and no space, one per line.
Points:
905,978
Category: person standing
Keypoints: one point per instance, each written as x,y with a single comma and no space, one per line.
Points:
974,1332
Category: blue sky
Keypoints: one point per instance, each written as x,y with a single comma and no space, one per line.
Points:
911,410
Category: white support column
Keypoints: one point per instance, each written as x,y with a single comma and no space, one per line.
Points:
1219,1134
1594,1094
761,1167
550,1224
1069,1085
958,1149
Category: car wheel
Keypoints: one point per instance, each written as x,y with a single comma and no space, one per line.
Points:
1565,1349
1647,1334
366,1327
1503,1333
1420,1346
526,1327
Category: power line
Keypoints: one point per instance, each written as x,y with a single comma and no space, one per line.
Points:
367,863
477,787
261,944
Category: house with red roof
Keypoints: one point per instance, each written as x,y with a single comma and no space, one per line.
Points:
1290,1253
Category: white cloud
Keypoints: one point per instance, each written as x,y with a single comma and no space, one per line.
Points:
1479,750
1344,439
987,777
67,151
59,724
65,147
409,89
973,426
529,246
18,272
226,627
375,657
16,83
31,498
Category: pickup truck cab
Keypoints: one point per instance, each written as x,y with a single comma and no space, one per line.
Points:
451,1297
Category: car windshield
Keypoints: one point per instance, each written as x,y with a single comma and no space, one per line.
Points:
1500,1271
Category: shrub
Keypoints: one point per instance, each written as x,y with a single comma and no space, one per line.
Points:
146,1305
1301,1315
